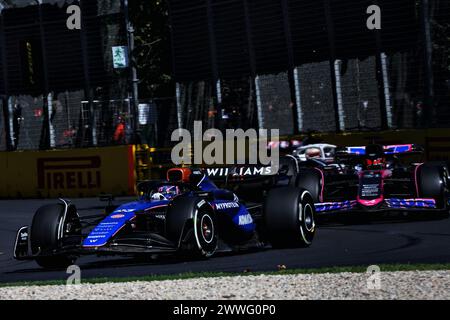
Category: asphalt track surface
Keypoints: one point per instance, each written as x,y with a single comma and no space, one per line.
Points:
379,242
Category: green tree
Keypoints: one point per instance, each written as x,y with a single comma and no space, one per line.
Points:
152,52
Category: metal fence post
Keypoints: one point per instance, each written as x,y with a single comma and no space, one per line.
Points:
259,103
219,91
291,67
45,136
428,56
340,101
11,124
179,106
387,94
5,98
334,77
51,130
213,50
383,81
133,72
298,100
86,74
93,123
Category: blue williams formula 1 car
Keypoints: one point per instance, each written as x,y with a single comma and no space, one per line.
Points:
371,179
187,213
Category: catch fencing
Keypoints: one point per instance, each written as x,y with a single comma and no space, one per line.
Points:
302,66
58,87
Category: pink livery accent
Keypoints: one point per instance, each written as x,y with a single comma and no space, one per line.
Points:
416,180
386,174
370,203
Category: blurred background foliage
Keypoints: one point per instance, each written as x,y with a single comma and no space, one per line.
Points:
152,52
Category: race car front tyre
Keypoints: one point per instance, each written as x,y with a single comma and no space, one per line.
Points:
289,217
205,233
191,222
432,182
50,224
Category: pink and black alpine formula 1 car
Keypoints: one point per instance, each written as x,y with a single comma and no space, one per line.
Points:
374,178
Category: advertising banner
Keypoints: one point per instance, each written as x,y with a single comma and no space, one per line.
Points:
68,173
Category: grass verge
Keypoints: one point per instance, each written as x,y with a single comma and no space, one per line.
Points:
190,275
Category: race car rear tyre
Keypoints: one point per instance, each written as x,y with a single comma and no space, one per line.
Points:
49,226
192,223
289,217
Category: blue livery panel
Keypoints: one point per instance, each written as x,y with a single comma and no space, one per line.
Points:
112,224
237,212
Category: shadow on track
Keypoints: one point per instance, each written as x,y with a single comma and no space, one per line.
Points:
374,218
141,260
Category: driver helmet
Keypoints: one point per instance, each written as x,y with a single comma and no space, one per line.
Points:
375,156
313,153
166,193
